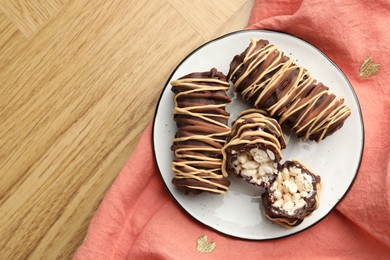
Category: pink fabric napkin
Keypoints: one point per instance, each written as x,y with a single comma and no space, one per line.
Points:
138,219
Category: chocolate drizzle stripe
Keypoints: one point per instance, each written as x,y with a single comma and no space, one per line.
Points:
208,189
295,90
201,137
203,179
256,133
309,106
253,66
272,82
198,157
198,162
341,116
199,115
180,151
316,123
183,81
254,87
212,175
199,88
269,80
259,133
195,172
178,155
321,126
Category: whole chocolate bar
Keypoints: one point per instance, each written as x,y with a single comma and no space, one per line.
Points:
200,101
253,150
293,195
269,80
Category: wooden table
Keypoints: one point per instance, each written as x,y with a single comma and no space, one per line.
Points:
79,82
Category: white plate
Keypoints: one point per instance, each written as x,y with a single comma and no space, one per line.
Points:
336,159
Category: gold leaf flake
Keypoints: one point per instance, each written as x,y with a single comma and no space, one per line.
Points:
203,246
368,69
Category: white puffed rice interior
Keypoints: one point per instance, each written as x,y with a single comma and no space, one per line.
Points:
290,188
257,164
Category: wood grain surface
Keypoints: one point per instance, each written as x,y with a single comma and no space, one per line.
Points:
79,82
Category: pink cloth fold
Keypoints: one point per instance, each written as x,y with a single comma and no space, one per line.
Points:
138,219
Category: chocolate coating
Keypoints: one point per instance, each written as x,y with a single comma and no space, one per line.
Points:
201,119
269,80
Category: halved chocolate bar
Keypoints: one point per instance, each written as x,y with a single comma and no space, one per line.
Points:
293,195
253,150
200,101
269,80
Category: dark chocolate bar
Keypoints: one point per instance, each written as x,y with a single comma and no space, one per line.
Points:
201,119
269,80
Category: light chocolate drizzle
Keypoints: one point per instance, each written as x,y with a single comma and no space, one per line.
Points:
252,129
269,80
200,101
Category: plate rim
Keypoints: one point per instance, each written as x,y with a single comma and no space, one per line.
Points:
360,116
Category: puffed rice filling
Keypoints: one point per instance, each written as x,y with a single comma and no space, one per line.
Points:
258,165
290,189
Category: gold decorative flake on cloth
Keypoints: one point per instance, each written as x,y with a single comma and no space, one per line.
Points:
203,246
368,69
